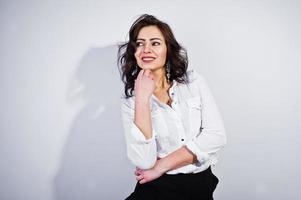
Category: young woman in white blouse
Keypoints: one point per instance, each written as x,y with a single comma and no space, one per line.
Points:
173,128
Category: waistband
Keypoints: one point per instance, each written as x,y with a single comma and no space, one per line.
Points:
202,173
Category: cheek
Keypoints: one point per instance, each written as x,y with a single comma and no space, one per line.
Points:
136,55
162,55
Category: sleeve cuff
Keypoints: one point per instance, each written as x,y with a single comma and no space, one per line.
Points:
202,157
138,137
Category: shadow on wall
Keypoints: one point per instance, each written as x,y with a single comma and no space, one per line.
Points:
94,163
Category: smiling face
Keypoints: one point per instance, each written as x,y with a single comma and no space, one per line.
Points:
151,48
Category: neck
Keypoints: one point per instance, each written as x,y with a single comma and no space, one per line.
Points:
160,79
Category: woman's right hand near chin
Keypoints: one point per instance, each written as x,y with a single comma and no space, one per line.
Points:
144,86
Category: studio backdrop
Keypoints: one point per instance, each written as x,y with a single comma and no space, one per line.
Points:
61,135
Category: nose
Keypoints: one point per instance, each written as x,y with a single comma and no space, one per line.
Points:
147,48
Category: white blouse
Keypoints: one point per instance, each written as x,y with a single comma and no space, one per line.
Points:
192,119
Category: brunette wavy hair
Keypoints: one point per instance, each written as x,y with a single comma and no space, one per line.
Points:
176,55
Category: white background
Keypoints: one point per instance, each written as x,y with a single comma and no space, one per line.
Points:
60,130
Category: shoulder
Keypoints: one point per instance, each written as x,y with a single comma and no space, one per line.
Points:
196,81
195,77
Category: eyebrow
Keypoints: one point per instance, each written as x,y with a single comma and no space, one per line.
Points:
150,39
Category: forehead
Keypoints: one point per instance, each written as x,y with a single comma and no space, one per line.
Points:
149,32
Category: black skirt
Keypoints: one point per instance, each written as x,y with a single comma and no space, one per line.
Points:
198,186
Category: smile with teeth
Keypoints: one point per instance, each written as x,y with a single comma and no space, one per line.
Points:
148,59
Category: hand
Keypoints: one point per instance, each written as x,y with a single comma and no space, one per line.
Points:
144,176
144,85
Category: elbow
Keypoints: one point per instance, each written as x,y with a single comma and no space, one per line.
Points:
220,139
223,142
142,163
223,139
146,164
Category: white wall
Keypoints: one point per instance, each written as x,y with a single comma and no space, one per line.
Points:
60,131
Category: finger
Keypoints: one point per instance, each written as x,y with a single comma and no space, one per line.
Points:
151,76
142,181
137,173
140,75
138,178
146,72
138,169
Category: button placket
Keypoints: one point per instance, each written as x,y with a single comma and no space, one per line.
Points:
180,126
174,98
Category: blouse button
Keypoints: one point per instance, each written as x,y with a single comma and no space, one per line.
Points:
182,139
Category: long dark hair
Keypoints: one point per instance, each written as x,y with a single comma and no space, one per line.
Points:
176,55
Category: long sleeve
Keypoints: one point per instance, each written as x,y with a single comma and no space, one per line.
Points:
212,137
141,152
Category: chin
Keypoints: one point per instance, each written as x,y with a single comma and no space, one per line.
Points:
152,68
147,67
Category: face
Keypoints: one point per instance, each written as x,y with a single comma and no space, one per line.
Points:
151,48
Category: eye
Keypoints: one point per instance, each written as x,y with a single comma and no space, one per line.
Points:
156,43
139,44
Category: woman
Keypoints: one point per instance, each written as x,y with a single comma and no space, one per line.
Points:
173,128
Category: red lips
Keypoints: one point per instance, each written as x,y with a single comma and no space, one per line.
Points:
147,59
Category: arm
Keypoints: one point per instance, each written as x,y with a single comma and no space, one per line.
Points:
141,152
141,145
143,117
179,158
199,149
212,138
144,88
174,160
